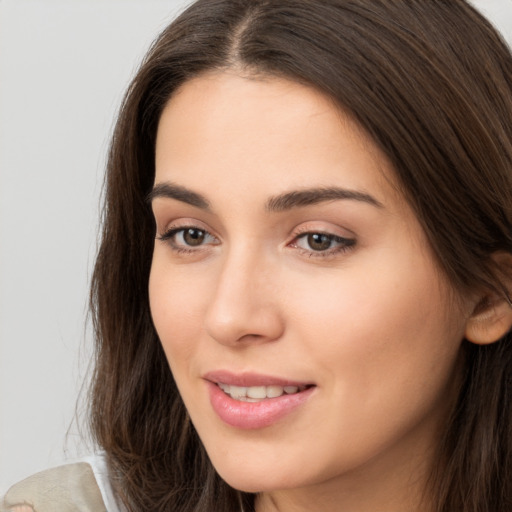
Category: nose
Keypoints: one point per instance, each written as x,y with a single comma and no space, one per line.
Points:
245,305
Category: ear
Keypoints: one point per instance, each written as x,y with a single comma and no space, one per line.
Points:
491,318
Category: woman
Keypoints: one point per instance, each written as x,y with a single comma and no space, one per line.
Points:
309,221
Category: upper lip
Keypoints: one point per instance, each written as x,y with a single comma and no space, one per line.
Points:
249,379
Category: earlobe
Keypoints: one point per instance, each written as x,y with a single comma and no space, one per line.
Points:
490,321
491,318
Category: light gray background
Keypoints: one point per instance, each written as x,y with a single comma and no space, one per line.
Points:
63,68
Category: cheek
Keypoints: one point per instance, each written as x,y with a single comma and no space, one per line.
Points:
177,304
374,331
384,351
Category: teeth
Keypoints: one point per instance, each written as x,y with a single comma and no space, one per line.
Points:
258,393
274,391
238,392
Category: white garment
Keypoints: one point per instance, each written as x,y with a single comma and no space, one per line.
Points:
100,470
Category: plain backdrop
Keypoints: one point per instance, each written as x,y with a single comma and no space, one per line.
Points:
64,65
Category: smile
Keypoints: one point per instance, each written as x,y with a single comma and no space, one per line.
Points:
253,401
258,393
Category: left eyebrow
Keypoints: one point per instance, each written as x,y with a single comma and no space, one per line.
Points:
307,197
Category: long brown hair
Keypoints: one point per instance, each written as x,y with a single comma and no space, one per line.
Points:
431,82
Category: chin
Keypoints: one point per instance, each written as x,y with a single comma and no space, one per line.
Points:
258,479
252,484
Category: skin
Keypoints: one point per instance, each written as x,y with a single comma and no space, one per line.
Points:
373,324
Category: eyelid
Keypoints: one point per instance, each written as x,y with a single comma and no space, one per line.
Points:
345,243
173,228
172,231
182,223
325,228
342,243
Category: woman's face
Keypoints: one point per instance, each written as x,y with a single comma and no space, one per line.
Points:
288,266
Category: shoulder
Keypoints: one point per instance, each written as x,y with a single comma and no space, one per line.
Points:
79,487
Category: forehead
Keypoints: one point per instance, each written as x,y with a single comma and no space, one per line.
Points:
222,129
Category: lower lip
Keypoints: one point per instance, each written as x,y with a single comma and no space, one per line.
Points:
254,415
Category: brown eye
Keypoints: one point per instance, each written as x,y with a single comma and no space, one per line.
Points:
323,244
319,241
193,236
188,238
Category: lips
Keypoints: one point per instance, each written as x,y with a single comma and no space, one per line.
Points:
248,379
251,401
258,393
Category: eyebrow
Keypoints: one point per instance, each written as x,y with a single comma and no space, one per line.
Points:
310,196
279,203
172,191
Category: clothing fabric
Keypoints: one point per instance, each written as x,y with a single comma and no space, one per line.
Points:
83,486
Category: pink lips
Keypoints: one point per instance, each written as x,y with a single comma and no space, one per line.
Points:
253,415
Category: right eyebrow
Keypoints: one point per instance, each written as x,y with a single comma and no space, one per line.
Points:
172,191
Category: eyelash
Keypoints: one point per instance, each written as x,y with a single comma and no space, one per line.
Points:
345,244
169,237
